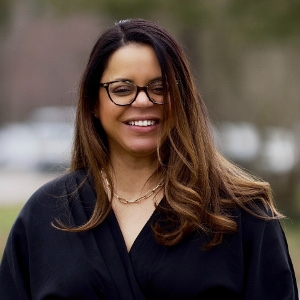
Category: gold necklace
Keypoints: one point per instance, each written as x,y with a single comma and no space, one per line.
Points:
137,200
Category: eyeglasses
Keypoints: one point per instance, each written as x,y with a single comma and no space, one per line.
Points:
124,92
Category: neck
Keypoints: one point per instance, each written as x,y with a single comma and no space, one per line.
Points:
131,167
133,177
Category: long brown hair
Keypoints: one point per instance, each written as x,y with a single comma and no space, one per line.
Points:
201,186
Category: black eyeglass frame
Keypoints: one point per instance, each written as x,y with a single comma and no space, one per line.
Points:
138,89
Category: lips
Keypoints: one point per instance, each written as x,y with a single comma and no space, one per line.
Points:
142,123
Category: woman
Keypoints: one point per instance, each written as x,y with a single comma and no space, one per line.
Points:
150,208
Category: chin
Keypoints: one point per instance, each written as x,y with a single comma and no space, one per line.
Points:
143,150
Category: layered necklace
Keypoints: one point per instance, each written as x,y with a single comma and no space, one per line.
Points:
137,200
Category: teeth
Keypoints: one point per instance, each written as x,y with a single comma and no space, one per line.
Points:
142,123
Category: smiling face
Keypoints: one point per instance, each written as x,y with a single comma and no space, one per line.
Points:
134,129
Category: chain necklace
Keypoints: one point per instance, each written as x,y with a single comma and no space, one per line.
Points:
137,200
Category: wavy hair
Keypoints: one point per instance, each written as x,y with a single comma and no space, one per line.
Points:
201,186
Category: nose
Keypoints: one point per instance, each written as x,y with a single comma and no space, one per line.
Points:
142,99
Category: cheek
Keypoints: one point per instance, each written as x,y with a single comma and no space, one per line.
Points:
102,108
104,117
103,101
109,113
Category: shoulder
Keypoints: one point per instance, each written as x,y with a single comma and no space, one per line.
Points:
59,196
65,184
266,256
257,224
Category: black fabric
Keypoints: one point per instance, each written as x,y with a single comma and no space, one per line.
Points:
41,262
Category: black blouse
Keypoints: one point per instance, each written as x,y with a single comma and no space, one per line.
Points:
41,262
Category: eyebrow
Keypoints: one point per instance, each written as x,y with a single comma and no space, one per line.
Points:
129,80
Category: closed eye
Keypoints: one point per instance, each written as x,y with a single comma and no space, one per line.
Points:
122,89
156,88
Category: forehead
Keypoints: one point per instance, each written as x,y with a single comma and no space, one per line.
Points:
133,61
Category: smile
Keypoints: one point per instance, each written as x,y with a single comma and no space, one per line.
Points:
142,123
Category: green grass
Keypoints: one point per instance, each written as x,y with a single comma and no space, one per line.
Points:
292,229
7,216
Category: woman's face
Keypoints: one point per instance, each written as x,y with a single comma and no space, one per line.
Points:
134,129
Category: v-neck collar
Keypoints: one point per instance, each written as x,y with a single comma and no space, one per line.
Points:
141,237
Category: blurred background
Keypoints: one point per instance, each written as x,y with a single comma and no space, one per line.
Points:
246,61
